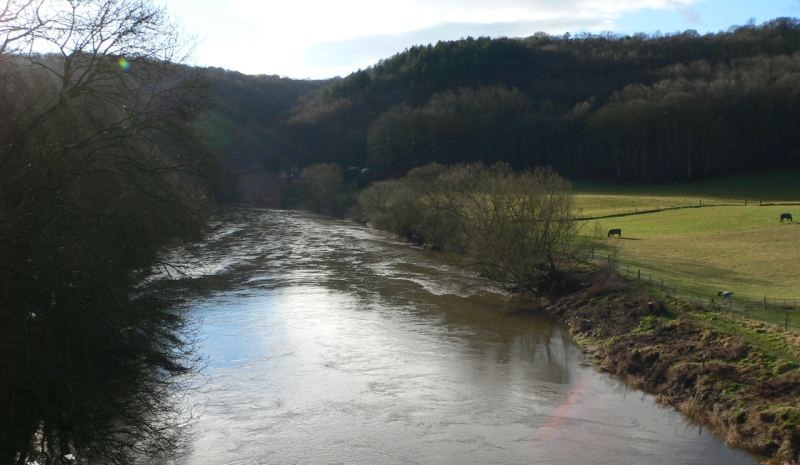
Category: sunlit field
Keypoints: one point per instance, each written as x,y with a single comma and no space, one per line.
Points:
744,249
740,248
601,199
595,205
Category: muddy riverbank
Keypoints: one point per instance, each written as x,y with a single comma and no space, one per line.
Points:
739,377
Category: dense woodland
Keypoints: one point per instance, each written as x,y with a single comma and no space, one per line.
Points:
630,108
244,127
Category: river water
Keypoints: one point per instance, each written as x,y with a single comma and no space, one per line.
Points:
329,343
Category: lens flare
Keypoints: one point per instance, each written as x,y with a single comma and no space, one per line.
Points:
124,64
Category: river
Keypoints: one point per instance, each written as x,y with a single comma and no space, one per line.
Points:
328,343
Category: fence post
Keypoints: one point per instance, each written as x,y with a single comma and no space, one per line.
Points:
786,324
765,303
638,275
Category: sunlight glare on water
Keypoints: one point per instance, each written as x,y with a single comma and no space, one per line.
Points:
328,343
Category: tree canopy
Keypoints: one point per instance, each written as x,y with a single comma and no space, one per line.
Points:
643,108
100,171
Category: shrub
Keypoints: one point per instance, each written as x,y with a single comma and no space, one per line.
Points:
517,228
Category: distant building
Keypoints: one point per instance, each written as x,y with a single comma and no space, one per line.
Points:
289,174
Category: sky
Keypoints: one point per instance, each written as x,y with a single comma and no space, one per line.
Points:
316,39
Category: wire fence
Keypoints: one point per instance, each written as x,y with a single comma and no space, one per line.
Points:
781,312
699,204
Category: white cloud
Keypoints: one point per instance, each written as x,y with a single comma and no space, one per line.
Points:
328,20
276,36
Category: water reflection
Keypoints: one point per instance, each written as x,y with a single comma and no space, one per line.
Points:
329,343
94,378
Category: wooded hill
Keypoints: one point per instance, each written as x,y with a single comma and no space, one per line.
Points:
244,125
643,108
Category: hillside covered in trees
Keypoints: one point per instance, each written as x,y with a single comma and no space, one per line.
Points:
630,108
244,125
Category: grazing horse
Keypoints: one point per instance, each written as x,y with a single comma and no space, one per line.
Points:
615,232
787,217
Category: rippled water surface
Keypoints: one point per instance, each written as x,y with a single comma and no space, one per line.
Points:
328,343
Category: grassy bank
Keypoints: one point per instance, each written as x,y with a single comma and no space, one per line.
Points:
740,377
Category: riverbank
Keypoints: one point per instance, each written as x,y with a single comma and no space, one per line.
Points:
739,377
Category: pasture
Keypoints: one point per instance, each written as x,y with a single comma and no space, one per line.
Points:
699,251
615,204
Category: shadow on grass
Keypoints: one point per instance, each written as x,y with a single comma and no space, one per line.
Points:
692,275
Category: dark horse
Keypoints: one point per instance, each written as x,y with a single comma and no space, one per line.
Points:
787,217
615,232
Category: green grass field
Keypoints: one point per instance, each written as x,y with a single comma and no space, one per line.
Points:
699,251
597,199
594,205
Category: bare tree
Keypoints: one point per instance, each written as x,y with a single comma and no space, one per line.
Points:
19,19
99,170
521,227
517,228
323,185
